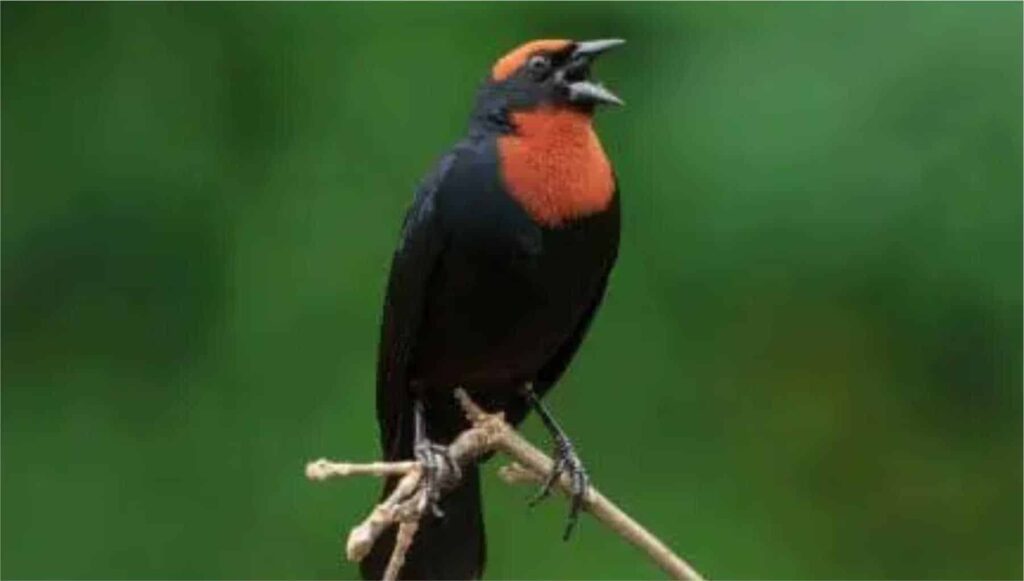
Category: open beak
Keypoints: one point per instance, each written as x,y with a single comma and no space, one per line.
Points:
582,89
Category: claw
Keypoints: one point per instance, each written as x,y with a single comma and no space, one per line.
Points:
545,490
580,484
566,462
428,454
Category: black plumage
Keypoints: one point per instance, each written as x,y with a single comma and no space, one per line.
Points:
484,297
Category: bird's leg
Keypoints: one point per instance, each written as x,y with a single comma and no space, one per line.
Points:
566,461
430,455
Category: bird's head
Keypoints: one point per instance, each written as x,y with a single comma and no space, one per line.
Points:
552,73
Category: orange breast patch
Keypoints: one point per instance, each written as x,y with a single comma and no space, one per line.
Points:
554,165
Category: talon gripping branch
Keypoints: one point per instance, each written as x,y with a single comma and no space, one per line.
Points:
503,260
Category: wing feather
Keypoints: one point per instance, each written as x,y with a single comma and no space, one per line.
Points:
415,260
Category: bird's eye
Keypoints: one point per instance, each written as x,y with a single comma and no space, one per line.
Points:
539,64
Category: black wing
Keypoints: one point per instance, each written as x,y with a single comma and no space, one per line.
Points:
414,261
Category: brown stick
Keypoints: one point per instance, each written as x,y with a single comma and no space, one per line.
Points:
488,432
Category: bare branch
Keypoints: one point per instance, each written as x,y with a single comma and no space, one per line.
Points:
406,505
403,540
363,535
323,469
611,515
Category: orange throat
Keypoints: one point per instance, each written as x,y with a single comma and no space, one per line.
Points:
554,165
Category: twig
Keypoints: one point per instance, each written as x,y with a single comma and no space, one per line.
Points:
363,535
612,516
403,540
487,433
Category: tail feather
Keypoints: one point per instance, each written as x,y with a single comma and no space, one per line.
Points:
450,547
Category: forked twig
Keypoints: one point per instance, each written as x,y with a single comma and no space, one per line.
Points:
406,504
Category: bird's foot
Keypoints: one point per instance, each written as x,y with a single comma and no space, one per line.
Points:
566,462
438,467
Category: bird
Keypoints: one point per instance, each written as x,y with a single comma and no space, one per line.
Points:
502,262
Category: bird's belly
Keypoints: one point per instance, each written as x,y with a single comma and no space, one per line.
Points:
497,321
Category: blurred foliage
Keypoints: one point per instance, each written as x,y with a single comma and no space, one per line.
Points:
808,365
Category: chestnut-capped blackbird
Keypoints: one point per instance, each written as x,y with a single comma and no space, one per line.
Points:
503,260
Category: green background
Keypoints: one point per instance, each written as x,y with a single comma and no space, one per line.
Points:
808,365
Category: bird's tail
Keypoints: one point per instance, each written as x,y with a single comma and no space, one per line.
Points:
449,547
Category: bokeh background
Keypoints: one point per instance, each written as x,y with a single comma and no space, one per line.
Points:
808,365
